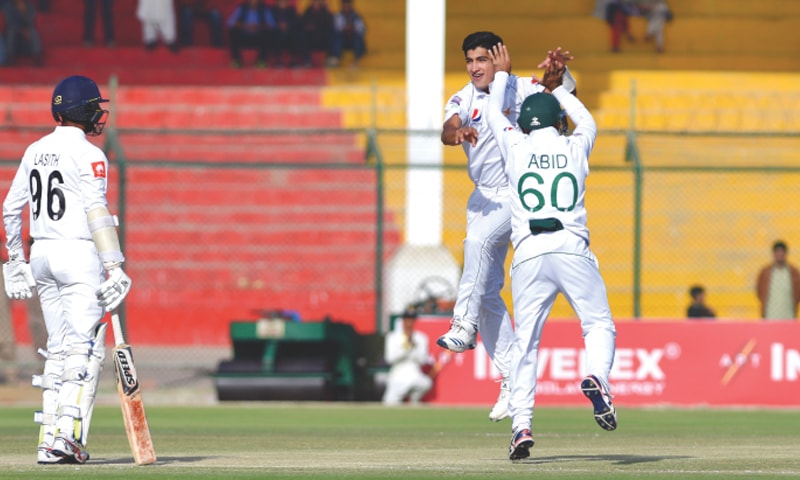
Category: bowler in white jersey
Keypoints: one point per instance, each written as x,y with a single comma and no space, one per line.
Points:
479,306
547,178
75,263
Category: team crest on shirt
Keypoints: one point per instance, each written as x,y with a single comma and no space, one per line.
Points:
99,169
508,129
476,115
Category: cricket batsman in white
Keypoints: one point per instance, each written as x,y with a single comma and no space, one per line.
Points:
75,264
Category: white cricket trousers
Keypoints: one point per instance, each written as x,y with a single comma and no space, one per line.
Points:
478,300
535,283
412,383
68,273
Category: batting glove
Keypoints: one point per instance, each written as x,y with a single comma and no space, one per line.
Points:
19,280
114,290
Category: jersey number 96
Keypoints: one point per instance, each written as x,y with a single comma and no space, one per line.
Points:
54,195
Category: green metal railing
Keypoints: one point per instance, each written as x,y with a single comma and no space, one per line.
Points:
758,177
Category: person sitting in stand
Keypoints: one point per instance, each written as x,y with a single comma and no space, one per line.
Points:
348,34
250,26
287,35
22,37
317,28
191,10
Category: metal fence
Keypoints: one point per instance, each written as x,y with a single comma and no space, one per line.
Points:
209,242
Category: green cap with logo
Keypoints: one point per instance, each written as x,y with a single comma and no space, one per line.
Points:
539,110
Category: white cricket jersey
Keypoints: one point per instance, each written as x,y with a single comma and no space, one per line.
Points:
406,359
62,176
484,160
547,173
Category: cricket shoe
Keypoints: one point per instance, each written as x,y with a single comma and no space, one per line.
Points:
45,456
70,451
500,409
461,336
521,443
604,412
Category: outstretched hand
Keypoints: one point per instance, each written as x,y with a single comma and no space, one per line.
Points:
554,65
553,77
558,56
500,58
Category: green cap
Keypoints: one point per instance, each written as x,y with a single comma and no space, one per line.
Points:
539,110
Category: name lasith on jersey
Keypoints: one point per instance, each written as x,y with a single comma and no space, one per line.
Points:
46,159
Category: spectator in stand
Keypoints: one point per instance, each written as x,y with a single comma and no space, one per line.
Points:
158,20
287,38
3,58
658,14
107,17
698,308
22,37
616,15
778,286
250,26
348,34
317,23
191,10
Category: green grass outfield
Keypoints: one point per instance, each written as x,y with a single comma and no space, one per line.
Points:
368,441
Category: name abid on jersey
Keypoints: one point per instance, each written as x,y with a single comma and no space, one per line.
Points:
557,160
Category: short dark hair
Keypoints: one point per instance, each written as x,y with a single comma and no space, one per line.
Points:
696,290
779,244
410,312
474,40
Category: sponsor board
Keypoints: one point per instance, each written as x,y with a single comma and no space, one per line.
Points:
719,363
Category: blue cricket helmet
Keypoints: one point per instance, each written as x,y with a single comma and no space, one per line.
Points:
77,99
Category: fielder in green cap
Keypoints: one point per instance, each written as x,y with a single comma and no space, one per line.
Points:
546,173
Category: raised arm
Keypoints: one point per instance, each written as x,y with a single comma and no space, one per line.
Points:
497,121
585,126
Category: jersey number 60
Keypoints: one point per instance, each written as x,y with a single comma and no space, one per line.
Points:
524,193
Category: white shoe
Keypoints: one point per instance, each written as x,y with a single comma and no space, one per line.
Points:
461,336
45,456
500,409
70,451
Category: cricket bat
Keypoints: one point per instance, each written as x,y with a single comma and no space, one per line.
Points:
130,396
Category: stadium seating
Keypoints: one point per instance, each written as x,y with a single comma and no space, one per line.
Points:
704,80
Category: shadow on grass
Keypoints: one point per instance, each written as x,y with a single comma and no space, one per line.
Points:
614,459
159,461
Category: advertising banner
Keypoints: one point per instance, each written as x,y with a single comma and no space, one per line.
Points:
687,363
